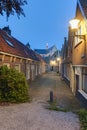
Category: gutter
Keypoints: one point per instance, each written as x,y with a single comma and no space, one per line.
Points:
79,65
17,56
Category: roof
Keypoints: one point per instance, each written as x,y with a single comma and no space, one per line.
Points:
40,58
83,7
46,51
53,47
42,51
10,45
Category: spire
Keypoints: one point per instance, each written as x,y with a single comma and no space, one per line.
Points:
46,45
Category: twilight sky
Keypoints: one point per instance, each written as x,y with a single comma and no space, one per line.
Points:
46,21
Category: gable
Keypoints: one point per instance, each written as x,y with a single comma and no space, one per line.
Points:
81,8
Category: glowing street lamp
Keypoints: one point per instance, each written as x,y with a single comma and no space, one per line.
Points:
58,59
74,23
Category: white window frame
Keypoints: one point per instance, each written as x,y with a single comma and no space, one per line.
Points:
65,71
17,65
78,32
83,85
81,90
36,70
7,64
28,71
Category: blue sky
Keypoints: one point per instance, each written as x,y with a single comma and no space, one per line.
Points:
46,21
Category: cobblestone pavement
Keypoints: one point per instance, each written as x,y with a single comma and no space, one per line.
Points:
34,115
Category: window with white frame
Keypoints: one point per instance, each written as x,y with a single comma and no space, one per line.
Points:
86,25
17,67
36,70
65,70
28,71
84,86
8,41
7,64
78,32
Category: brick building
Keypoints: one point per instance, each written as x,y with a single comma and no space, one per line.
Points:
16,55
76,49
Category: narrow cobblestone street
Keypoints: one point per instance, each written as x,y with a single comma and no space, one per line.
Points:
34,115
41,87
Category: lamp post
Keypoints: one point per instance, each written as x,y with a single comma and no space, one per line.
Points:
74,24
58,60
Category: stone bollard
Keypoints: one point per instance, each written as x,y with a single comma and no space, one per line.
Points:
51,96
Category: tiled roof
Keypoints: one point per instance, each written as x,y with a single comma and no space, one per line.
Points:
10,45
40,58
83,6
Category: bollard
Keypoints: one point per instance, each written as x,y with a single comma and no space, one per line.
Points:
51,96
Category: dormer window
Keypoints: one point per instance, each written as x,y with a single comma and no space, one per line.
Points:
8,42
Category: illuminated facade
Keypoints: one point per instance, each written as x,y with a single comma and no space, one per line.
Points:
78,79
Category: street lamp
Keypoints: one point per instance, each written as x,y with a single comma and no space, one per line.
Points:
58,60
74,25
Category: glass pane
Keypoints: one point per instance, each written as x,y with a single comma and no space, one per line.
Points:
85,83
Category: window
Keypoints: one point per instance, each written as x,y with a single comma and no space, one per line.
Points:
78,32
9,42
65,70
36,70
17,67
28,71
7,64
86,25
84,86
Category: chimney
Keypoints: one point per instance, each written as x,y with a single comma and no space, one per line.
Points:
65,40
7,29
28,45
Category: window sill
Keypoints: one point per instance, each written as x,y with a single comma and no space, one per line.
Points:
83,93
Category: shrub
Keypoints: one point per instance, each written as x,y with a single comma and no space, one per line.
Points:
83,118
13,85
